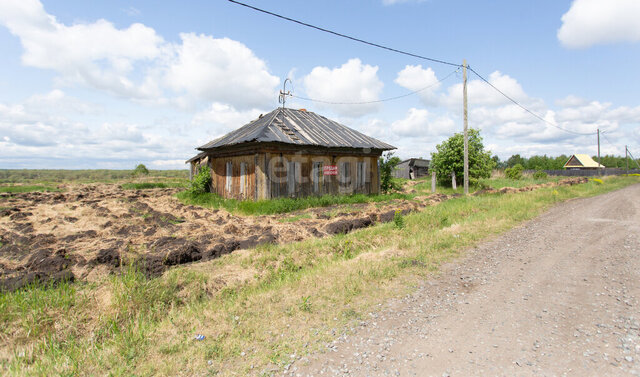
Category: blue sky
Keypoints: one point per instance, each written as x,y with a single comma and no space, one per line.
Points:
113,84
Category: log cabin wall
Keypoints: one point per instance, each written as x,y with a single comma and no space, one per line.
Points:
271,174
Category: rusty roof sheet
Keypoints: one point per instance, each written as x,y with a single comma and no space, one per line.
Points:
298,127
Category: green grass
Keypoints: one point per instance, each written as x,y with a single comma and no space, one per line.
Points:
80,176
255,308
28,188
152,185
282,205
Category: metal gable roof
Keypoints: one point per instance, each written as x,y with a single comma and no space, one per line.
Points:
297,127
585,161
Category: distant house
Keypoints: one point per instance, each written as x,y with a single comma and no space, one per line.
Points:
291,153
581,162
412,168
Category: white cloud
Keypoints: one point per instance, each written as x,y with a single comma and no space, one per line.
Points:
221,70
224,118
479,93
136,63
351,82
414,78
590,22
420,124
97,53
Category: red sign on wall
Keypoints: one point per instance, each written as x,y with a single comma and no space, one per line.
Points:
330,170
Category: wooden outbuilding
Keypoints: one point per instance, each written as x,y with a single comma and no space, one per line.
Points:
412,168
581,162
292,153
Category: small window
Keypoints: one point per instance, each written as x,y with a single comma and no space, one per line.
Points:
317,176
361,175
243,178
228,182
292,177
346,174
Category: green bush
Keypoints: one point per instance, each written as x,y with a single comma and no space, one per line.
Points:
201,183
450,158
539,174
515,172
398,219
141,170
387,163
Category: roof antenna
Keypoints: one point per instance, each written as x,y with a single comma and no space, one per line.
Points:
283,93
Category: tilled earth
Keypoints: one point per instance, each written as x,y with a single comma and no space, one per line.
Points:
556,296
87,231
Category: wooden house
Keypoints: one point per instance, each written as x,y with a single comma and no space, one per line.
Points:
581,162
412,168
292,153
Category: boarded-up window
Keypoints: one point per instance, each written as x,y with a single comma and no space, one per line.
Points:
346,174
317,177
229,179
361,175
243,178
293,175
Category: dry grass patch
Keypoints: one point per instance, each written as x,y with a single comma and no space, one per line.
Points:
255,307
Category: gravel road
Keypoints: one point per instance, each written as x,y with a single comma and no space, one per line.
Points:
555,296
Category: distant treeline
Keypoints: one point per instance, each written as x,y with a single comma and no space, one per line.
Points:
556,163
98,175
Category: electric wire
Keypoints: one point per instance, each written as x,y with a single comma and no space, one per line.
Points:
346,36
526,109
380,100
408,54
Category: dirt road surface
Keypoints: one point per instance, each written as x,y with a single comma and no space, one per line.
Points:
556,296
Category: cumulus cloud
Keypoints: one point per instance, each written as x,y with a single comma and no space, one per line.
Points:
33,137
136,63
479,93
414,78
591,22
224,118
419,123
351,82
220,70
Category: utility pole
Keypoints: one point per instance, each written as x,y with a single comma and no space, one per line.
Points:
466,133
599,164
626,158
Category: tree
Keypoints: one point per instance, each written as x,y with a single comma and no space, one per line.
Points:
388,162
450,158
141,170
514,160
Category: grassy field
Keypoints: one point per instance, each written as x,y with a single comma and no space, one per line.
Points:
28,188
30,176
283,205
257,307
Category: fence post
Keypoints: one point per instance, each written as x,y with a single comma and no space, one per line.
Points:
433,181
453,180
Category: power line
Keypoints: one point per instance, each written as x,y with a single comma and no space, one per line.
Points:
403,53
345,36
526,109
380,100
606,139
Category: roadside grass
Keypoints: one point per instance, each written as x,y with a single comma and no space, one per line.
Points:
282,205
424,187
28,188
256,307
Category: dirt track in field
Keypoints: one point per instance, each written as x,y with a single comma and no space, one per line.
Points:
556,296
87,231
